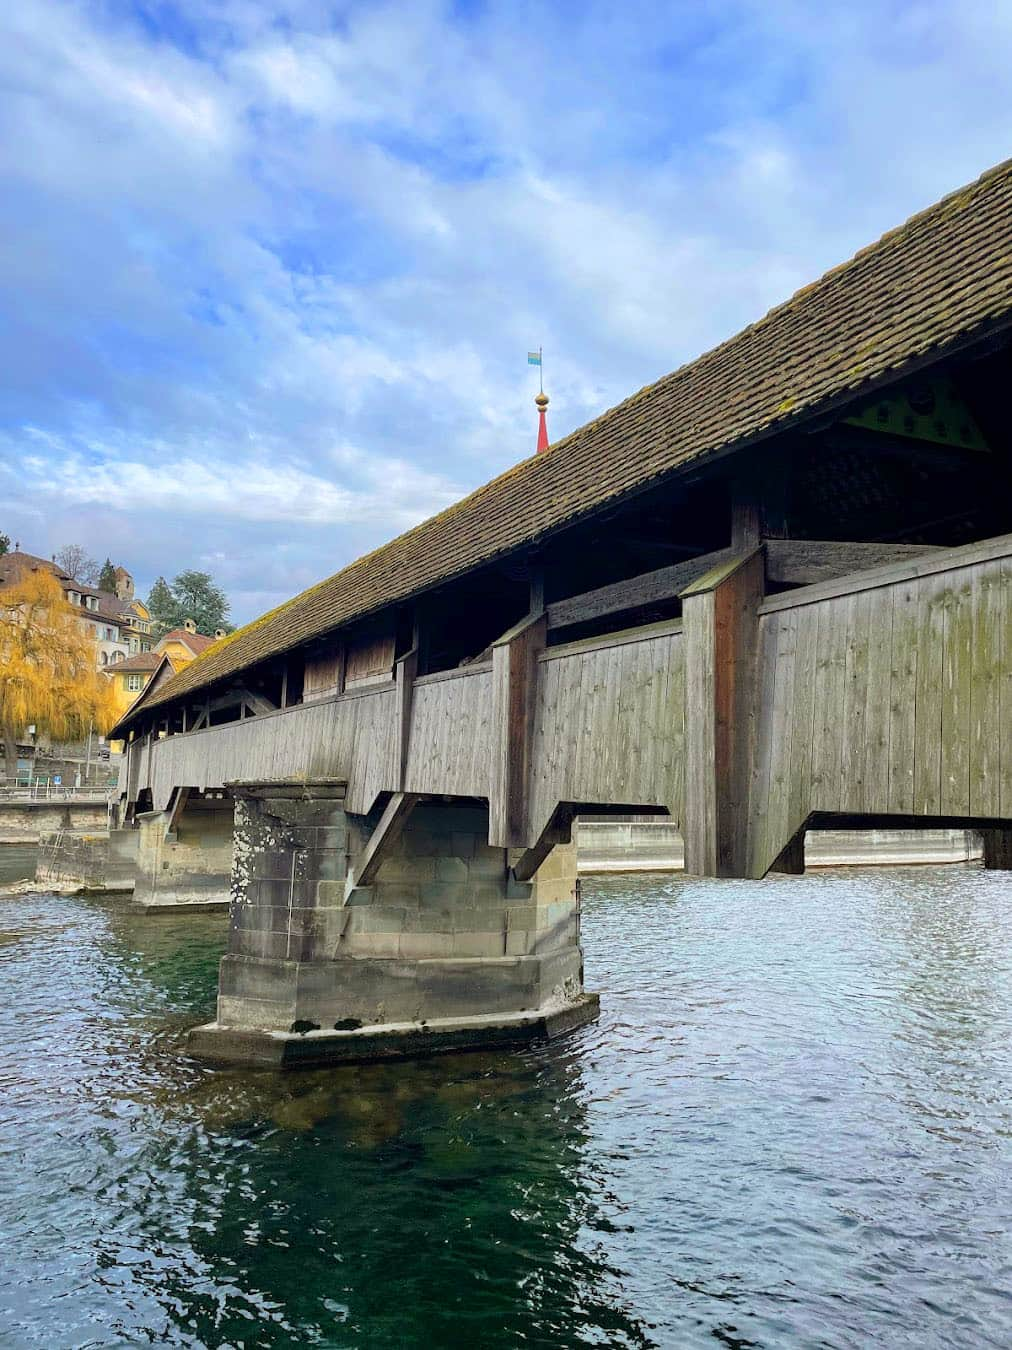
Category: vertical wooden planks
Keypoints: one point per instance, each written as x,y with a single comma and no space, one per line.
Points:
902,697
928,699
1005,694
514,685
985,694
957,676
720,624
759,787
779,827
699,825
830,677
806,655
855,702
877,695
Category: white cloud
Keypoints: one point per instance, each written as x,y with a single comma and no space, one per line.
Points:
390,492
283,277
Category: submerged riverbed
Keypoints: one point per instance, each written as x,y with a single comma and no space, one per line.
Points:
791,1127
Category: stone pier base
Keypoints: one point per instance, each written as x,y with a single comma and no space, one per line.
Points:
184,856
405,1040
103,861
442,951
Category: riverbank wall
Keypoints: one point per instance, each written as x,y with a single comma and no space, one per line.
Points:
654,844
26,821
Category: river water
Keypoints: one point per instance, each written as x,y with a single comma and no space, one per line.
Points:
790,1127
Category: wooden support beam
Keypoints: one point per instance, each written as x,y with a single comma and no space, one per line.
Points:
256,703
720,627
791,860
386,833
514,685
405,672
798,562
802,562
559,830
537,590
666,583
179,801
759,501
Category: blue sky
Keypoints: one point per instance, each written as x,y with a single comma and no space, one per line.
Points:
270,271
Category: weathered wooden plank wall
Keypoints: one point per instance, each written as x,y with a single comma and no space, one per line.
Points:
892,700
351,735
450,742
882,694
609,724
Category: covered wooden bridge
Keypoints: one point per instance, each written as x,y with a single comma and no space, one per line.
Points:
771,591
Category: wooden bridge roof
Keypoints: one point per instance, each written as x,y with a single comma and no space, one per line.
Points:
926,285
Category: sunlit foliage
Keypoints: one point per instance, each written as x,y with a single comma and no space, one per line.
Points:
47,666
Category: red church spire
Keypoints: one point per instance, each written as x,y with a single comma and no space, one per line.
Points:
542,401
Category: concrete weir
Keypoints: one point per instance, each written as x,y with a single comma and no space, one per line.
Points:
399,934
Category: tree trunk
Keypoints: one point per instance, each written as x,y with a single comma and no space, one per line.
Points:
10,755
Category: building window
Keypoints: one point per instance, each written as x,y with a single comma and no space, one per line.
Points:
103,658
135,683
108,635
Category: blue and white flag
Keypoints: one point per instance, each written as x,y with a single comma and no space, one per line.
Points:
534,358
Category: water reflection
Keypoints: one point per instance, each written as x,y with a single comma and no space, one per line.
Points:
790,1127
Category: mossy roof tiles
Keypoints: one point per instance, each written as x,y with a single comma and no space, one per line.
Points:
927,284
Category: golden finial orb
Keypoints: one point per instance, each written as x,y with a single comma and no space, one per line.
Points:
541,400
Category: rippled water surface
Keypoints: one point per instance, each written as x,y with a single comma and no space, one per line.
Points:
789,1128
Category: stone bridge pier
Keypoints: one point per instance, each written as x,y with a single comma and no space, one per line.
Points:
398,934
184,854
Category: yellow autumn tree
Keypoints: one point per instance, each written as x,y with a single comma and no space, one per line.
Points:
47,667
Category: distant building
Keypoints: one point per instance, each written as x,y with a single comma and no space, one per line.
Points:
171,653
183,645
131,675
119,623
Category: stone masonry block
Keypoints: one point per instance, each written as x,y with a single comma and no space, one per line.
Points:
418,945
518,942
420,843
493,867
411,870
554,890
463,844
558,912
521,916
391,893
442,895
479,919
551,868
479,944
376,919
452,869
256,1013
244,977
385,945
426,920
486,891
326,865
